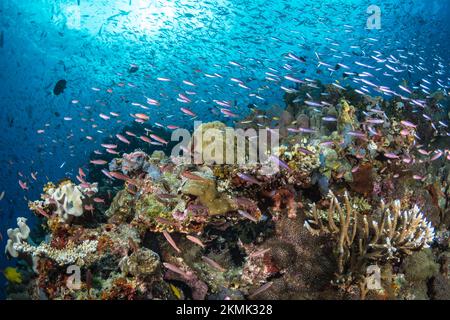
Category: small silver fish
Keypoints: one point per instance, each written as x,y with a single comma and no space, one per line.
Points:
247,216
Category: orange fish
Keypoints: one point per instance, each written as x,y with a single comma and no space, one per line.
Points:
171,241
213,264
99,162
192,176
23,185
195,240
109,146
122,138
111,151
188,112
145,139
119,176
142,116
158,138
42,212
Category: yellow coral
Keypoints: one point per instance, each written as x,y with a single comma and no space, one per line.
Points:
346,116
208,195
49,186
300,157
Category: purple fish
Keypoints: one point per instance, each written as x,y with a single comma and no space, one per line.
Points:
279,162
305,151
326,143
248,178
408,124
375,121
391,155
357,134
306,130
313,104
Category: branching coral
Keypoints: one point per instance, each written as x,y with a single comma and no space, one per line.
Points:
69,255
360,239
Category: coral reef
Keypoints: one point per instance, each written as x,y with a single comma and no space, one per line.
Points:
352,193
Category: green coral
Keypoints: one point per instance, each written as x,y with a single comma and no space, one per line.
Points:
121,207
300,157
334,163
420,266
360,204
152,206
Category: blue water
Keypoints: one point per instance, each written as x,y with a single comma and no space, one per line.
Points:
93,43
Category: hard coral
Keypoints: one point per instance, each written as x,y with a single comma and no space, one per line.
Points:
360,238
206,192
130,163
140,263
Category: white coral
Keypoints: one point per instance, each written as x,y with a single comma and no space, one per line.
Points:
17,236
68,199
411,229
394,233
69,255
